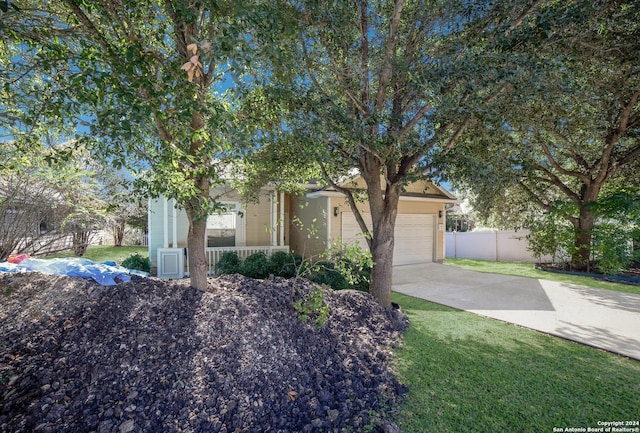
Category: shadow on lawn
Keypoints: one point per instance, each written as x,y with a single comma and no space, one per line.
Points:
468,373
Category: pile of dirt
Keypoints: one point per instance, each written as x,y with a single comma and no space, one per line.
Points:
152,355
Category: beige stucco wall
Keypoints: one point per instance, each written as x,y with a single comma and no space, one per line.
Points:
258,221
258,224
308,229
423,187
418,187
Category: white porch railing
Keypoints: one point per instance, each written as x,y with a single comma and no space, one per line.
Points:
214,254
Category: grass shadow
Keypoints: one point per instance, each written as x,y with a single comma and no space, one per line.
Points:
469,373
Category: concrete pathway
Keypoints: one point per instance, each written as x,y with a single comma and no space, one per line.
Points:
601,318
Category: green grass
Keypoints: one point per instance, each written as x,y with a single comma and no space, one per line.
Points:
102,253
467,373
523,269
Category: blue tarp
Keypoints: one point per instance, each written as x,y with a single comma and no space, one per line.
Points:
105,273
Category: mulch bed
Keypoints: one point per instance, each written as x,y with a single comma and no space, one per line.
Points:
159,356
631,276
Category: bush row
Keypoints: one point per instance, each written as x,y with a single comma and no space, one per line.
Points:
340,273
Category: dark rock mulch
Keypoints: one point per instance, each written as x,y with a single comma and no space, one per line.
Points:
159,356
631,277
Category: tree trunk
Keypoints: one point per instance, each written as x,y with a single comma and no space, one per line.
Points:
384,210
198,265
382,253
580,259
118,233
582,243
81,240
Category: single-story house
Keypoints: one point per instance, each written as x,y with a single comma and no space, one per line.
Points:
305,224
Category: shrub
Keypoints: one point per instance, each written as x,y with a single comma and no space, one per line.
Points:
326,273
285,265
229,263
363,279
612,248
255,266
353,263
278,264
138,262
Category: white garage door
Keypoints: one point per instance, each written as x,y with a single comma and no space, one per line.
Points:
413,236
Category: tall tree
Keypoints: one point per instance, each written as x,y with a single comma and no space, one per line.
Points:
388,87
148,80
573,124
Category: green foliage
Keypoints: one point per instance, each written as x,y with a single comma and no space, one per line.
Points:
255,266
349,267
286,265
612,248
568,126
344,267
258,265
549,236
326,273
159,87
137,261
312,307
229,263
388,88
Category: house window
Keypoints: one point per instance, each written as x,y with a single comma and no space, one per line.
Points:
221,228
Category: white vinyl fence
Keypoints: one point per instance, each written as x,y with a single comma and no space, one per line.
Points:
495,245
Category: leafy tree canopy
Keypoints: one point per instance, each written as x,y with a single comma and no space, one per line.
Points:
150,85
390,87
570,126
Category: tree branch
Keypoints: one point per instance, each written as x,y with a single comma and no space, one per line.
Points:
534,196
414,120
553,179
518,21
385,73
89,25
352,203
364,59
613,137
631,156
547,151
181,41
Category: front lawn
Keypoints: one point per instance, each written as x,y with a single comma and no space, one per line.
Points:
468,373
522,269
101,253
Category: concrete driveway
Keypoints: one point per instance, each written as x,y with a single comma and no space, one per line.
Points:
601,318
